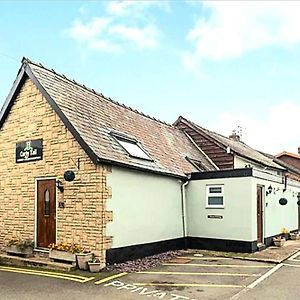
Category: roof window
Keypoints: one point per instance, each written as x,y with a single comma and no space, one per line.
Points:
196,163
131,146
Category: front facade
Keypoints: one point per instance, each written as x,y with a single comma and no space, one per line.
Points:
141,186
28,186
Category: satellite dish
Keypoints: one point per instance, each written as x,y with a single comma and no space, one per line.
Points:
69,175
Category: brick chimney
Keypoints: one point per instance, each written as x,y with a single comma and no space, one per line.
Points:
298,150
236,137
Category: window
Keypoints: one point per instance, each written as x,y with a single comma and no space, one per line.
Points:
132,147
196,163
215,196
47,204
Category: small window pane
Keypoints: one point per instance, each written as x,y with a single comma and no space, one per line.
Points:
215,200
47,203
215,189
133,149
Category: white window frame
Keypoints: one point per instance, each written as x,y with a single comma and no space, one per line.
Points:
209,194
123,139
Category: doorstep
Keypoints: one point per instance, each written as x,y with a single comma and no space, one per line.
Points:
36,261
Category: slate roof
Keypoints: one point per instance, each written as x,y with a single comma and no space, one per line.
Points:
238,147
92,117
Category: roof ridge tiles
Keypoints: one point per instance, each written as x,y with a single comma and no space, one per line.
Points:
28,61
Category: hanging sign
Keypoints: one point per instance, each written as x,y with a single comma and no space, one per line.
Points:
29,151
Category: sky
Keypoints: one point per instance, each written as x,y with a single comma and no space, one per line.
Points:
224,65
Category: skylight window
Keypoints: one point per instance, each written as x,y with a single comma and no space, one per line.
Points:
132,148
196,163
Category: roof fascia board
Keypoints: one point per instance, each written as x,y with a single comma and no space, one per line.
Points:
62,116
129,166
11,96
232,173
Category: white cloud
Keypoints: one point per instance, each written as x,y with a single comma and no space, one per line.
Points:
132,7
121,27
232,28
142,37
275,132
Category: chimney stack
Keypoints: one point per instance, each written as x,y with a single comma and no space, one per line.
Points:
298,150
236,137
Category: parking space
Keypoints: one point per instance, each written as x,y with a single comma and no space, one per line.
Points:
190,277
193,277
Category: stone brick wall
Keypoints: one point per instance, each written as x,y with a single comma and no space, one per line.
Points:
84,218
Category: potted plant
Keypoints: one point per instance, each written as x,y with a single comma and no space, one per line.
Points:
279,241
64,252
83,258
95,265
285,233
20,247
294,235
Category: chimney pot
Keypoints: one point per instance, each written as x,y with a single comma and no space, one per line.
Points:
235,137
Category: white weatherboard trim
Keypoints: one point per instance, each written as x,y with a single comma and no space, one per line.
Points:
267,176
35,207
265,276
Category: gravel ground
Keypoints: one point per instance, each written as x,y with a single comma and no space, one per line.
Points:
143,263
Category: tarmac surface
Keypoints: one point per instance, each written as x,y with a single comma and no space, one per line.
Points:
194,275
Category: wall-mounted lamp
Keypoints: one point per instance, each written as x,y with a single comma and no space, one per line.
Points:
298,197
269,190
59,185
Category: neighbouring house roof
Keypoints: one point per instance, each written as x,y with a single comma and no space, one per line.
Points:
285,153
290,168
92,118
237,147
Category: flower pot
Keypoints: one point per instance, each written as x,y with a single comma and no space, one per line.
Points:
95,267
63,256
82,260
17,250
294,236
286,236
279,242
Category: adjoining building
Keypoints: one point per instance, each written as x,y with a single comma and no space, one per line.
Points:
78,167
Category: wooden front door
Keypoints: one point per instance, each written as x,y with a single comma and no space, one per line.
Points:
259,215
46,210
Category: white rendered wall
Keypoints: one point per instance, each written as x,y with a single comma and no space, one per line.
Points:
146,208
276,216
236,223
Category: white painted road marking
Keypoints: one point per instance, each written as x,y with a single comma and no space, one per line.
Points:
265,276
110,278
219,266
198,274
143,291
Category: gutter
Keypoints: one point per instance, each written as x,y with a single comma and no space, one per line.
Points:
183,210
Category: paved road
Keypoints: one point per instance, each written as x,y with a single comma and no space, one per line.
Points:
282,284
190,278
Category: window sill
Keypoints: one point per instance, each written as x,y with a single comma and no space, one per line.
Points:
215,207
